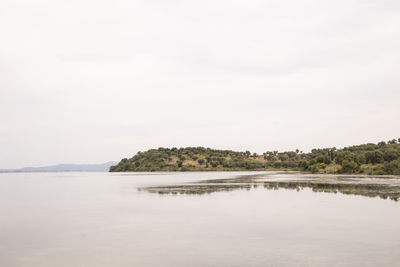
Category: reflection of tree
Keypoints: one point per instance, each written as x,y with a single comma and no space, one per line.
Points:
326,185
367,190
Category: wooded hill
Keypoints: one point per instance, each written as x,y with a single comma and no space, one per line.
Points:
381,158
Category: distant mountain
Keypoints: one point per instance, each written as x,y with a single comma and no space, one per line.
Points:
103,167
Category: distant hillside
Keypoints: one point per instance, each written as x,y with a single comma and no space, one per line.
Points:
381,158
104,167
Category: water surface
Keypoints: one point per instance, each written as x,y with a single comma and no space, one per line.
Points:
237,219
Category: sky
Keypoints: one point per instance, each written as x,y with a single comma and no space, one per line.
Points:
91,81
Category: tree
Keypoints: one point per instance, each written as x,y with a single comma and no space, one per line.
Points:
303,164
320,159
391,154
283,156
346,155
374,157
349,166
381,144
392,167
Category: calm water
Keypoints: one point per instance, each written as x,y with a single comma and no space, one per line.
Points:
102,219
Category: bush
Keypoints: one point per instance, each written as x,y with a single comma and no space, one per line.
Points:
392,167
184,169
349,166
346,155
391,154
373,157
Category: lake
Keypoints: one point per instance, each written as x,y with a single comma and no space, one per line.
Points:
198,219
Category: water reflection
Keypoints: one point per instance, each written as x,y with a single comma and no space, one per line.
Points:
383,187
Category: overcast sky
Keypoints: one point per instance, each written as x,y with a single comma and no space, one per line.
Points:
90,81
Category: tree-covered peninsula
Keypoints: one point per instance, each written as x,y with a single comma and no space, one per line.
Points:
380,158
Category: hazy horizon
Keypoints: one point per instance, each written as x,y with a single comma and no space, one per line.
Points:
96,81
129,156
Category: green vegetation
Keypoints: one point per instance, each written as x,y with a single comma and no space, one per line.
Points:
381,158
190,159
